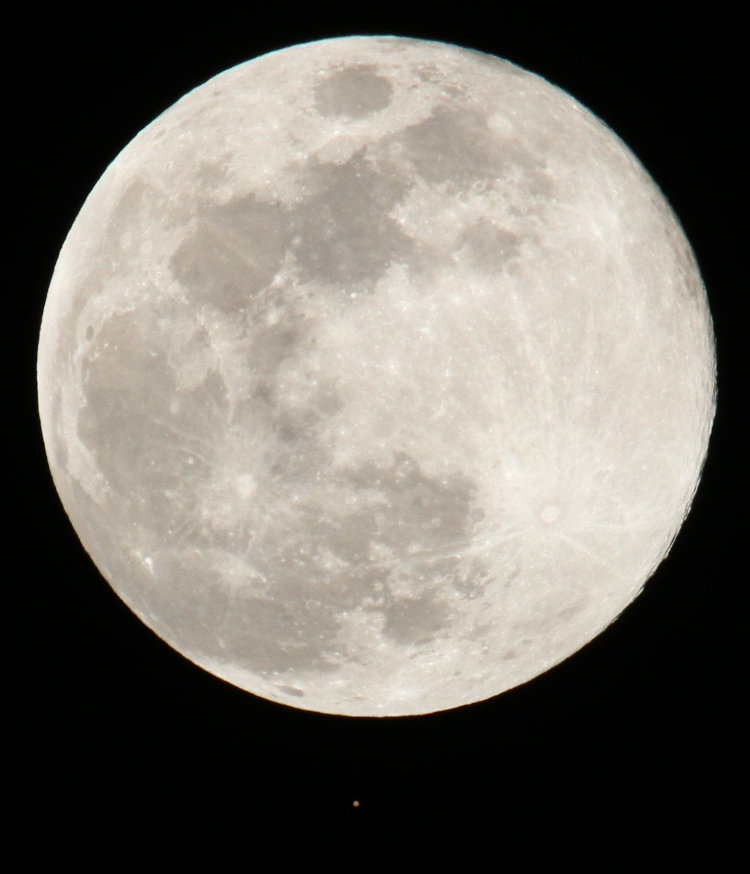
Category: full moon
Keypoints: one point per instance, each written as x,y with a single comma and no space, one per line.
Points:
376,376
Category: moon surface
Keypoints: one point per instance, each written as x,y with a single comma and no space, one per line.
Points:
376,376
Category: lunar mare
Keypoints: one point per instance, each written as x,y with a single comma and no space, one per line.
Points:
376,376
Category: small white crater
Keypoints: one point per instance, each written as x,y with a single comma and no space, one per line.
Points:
145,560
549,513
500,124
246,485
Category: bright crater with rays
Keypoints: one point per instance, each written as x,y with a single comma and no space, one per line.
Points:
376,376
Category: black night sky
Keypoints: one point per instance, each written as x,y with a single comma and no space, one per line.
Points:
124,756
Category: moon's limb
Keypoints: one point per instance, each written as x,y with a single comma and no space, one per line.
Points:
376,376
